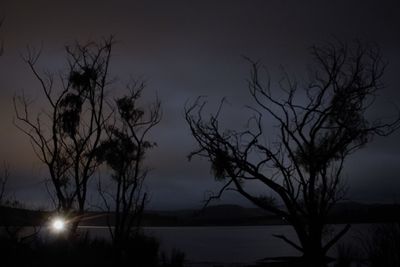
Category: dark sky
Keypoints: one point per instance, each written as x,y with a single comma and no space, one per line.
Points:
184,49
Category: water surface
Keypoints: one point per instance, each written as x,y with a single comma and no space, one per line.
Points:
234,244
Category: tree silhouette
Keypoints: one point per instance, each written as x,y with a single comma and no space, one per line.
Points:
5,169
67,133
124,151
1,40
4,176
304,165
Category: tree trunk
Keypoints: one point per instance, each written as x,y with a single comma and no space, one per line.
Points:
73,231
314,254
313,250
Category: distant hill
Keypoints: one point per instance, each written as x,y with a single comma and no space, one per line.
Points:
218,215
22,217
349,212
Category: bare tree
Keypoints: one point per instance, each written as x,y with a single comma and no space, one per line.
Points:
4,176
67,133
1,41
124,152
304,166
5,170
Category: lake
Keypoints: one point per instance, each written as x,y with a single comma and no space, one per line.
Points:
233,244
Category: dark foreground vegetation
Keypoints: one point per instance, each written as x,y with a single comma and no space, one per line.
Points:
32,250
379,248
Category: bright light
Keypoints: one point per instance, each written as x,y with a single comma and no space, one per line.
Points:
58,225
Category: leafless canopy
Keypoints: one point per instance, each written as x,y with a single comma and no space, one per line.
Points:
65,135
124,152
305,163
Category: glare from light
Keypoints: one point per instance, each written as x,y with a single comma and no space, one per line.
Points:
58,225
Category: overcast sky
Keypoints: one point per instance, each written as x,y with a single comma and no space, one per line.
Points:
184,49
